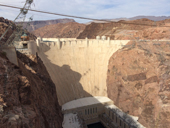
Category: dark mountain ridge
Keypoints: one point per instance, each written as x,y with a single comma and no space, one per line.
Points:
154,18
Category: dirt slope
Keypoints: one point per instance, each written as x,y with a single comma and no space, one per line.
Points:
60,30
138,82
27,95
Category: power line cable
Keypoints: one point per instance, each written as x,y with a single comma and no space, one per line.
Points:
55,13
77,16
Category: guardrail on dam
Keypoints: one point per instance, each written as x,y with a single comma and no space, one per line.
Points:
78,67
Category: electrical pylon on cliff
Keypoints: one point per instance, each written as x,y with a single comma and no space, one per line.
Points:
15,36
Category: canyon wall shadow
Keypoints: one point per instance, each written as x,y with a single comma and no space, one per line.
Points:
65,79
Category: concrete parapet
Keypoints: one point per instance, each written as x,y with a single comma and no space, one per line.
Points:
87,42
58,44
116,116
38,41
39,38
90,42
32,47
24,51
53,43
97,37
11,54
103,37
56,39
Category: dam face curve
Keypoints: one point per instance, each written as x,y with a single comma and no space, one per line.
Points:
78,67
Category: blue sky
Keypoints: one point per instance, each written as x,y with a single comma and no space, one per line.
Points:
99,9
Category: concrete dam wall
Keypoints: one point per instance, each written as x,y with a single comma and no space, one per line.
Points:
78,67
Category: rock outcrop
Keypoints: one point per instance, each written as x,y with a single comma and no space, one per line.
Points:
27,95
4,23
3,26
138,82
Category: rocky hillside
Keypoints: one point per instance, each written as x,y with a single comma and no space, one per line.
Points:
128,30
3,26
33,25
27,95
139,82
4,23
60,30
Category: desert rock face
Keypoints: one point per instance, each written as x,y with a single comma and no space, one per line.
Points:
27,95
60,30
138,82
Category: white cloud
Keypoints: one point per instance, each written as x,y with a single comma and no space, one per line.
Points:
100,9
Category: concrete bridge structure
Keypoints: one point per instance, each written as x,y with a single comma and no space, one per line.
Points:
78,67
79,70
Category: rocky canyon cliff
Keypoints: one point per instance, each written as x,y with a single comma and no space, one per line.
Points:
138,82
27,95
